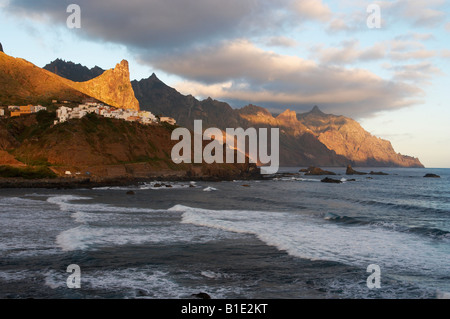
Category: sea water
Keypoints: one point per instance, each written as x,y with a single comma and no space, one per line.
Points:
284,237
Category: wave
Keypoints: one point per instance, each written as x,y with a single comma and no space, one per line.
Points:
308,238
425,231
406,207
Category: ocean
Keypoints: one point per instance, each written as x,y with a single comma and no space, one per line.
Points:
288,237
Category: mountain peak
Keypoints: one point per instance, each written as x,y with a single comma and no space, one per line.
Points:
123,64
316,110
288,114
113,87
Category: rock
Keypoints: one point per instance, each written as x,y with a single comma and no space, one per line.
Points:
157,185
245,185
169,186
304,170
351,171
318,171
369,177
131,193
1,48
378,173
331,181
141,293
113,87
191,186
432,176
351,180
202,295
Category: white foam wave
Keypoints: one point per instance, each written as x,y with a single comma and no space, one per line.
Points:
210,189
305,237
65,203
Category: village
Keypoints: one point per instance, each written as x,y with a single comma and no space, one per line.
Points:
65,113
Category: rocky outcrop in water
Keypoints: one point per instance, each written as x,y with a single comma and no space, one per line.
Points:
316,171
331,181
351,171
432,176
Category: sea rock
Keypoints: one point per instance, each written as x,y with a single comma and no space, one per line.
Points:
169,186
432,176
378,173
202,295
331,181
131,193
304,170
157,185
318,171
245,185
351,171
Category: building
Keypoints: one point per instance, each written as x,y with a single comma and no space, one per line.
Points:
147,117
169,120
39,108
65,113
26,109
23,110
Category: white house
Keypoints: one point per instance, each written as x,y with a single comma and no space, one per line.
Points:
39,108
63,114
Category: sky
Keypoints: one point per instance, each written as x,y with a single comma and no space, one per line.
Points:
278,54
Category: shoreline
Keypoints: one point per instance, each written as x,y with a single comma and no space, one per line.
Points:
89,183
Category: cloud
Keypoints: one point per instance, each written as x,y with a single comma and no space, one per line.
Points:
156,24
312,9
177,24
420,13
281,41
419,73
241,72
402,48
350,52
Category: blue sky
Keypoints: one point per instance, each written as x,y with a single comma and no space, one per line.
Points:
278,54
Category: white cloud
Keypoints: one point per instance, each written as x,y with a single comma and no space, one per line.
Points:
313,9
424,13
240,71
281,41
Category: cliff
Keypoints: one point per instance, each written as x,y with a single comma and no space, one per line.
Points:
22,83
113,87
347,138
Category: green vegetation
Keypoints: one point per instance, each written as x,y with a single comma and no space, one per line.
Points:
26,172
22,132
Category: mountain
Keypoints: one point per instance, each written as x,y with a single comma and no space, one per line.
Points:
312,138
22,82
106,148
113,87
347,138
72,71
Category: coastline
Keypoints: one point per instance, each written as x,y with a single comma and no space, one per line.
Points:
77,183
